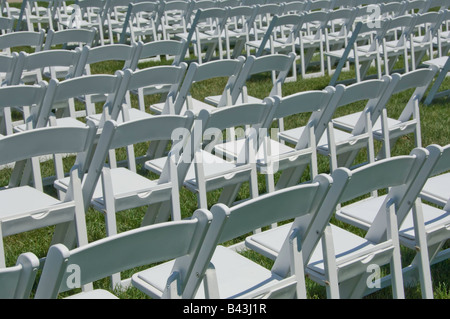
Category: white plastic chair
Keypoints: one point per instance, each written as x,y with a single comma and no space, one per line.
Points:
7,64
173,18
181,240
199,36
40,209
344,264
412,218
262,15
36,16
154,51
118,187
141,21
227,70
17,281
6,25
227,274
210,172
236,30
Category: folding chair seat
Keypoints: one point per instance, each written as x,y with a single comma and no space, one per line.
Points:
226,70
40,209
211,172
199,37
227,274
141,22
156,243
421,226
17,281
443,63
18,40
116,187
341,258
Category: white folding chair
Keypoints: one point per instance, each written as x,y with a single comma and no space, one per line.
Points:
181,240
387,129
227,71
141,21
36,16
210,172
226,274
236,30
423,31
146,83
262,16
443,63
119,186
200,37
17,281
172,50
341,259
273,156
173,18
412,218
40,209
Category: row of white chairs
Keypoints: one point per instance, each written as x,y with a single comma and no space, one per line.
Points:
120,188
200,267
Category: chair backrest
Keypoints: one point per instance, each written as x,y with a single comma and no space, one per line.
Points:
61,94
228,68
122,53
155,128
278,64
31,39
173,17
17,281
70,38
39,62
298,201
443,164
156,49
179,240
151,79
27,98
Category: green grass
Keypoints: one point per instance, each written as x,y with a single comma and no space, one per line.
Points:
435,121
